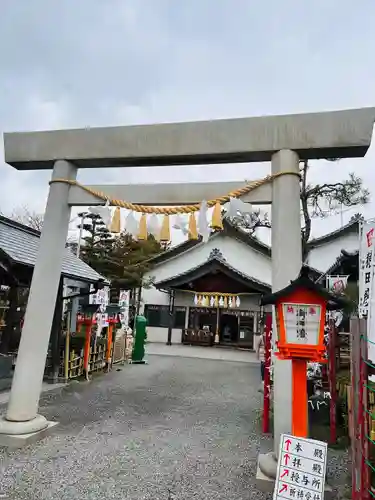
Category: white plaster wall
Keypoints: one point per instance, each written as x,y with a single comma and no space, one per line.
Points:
323,256
160,335
237,254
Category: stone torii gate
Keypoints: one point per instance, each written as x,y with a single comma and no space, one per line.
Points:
283,140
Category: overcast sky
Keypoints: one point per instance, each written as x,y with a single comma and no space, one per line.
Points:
77,63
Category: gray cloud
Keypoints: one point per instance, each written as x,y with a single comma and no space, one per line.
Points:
94,62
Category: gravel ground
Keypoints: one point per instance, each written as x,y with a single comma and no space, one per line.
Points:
177,428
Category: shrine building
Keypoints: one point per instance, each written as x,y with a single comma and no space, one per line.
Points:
209,293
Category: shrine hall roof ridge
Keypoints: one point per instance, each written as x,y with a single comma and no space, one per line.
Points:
327,134
342,258
213,263
232,230
325,238
20,243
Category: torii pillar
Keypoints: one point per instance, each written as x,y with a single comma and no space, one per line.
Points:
283,140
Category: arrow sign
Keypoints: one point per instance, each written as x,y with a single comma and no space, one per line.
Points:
284,487
288,442
285,473
286,459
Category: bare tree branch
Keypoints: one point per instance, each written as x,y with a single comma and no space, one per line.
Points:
28,217
317,201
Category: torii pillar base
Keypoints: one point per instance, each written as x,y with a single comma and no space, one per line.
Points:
14,435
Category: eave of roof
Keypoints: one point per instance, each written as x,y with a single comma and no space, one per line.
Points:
28,239
338,262
303,281
205,268
348,228
241,235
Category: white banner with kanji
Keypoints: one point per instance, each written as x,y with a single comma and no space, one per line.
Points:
366,308
366,268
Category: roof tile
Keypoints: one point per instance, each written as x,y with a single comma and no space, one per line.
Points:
21,244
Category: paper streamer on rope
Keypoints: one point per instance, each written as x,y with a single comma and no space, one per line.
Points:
153,226
214,299
131,225
104,212
116,221
193,228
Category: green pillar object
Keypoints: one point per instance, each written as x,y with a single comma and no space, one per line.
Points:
139,340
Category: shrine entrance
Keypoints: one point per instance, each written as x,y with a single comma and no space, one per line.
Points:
228,329
282,140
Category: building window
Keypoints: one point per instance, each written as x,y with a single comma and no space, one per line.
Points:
158,316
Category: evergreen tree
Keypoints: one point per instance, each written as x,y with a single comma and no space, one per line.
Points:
129,260
120,258
97,244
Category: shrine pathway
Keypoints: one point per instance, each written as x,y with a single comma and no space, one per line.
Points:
177,428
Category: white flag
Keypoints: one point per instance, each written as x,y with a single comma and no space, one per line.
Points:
366,267
337,284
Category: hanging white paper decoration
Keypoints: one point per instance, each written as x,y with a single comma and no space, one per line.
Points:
153,226
221,302
230,302
131,225
230,209
242,207
238,302
236,206
212,301
180,224
104,212
203,226
196,299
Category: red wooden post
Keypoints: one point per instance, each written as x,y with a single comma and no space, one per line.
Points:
332,381
364,422
86,351
299,398
267,373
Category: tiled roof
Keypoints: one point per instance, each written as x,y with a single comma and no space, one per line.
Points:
212,263
21,244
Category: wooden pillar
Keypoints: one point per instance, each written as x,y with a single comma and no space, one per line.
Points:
10,319
56,330
170,323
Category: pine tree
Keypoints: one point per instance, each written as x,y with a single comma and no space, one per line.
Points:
120,258
129,260
97,245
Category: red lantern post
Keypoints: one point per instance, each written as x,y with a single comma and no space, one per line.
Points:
300,317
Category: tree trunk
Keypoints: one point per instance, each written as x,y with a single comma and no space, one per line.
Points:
306,231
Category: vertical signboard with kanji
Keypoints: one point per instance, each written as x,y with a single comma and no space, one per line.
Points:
366,284
302,323
301,469
123,302
366,265
101,297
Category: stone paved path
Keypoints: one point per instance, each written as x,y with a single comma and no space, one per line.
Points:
220,353
178,428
